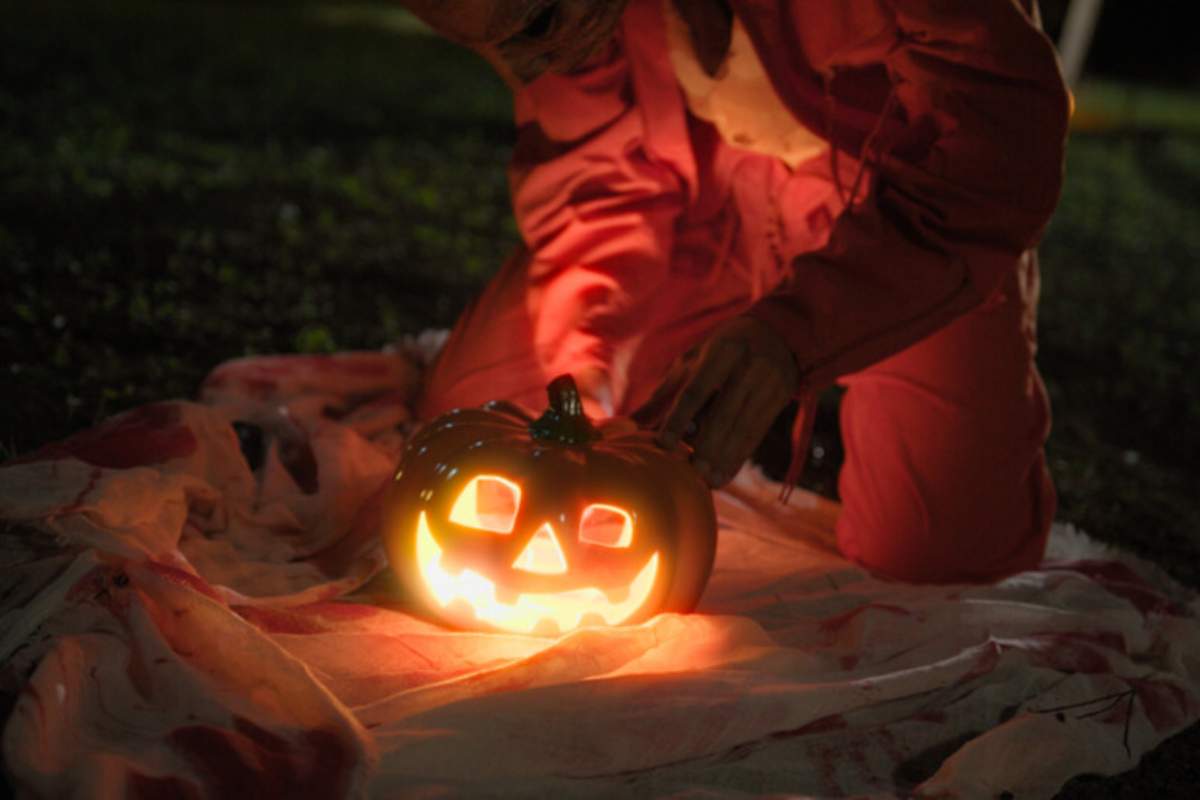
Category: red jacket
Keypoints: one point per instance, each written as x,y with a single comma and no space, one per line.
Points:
954,109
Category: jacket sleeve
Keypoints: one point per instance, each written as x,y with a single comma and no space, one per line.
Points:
977,84
596,211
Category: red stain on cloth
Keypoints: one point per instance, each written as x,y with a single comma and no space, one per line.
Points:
144,436
184,578
1168,707
1122,581
1073,652
837,622
270,620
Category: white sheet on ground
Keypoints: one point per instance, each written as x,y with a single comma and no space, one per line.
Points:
173,621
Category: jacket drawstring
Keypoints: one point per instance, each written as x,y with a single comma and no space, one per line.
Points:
802,430
869,156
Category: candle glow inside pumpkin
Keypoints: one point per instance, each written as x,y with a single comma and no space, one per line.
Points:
490,503
532,610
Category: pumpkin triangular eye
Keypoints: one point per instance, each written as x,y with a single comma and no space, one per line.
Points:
543,555
605,525
488,503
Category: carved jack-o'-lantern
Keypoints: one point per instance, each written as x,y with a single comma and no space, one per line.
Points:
499,521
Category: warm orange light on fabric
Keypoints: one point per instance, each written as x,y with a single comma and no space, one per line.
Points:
500,521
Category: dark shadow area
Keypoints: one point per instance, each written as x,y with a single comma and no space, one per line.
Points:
186,182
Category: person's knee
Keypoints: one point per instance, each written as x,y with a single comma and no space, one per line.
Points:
908,527
937,491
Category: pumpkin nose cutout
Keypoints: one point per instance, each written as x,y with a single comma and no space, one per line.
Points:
543,555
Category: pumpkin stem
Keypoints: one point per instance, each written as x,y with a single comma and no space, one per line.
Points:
564,421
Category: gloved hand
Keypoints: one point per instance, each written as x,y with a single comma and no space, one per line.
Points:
727,391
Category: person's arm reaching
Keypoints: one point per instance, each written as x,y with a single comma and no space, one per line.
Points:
597,212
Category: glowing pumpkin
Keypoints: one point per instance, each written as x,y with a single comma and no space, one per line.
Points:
500,521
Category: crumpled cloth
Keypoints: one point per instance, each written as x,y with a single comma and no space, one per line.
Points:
178,618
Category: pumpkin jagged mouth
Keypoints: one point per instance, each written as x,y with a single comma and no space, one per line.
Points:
541,613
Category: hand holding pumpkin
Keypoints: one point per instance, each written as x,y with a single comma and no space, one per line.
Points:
728,391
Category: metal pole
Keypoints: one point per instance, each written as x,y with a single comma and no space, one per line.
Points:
1076,37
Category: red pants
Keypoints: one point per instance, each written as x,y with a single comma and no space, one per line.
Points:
944,479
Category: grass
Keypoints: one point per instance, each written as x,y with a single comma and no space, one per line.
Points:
1120,335
187,182
1110,105
182,182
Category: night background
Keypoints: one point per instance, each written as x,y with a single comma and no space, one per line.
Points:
188,181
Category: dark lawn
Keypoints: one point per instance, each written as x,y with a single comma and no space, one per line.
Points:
182,182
